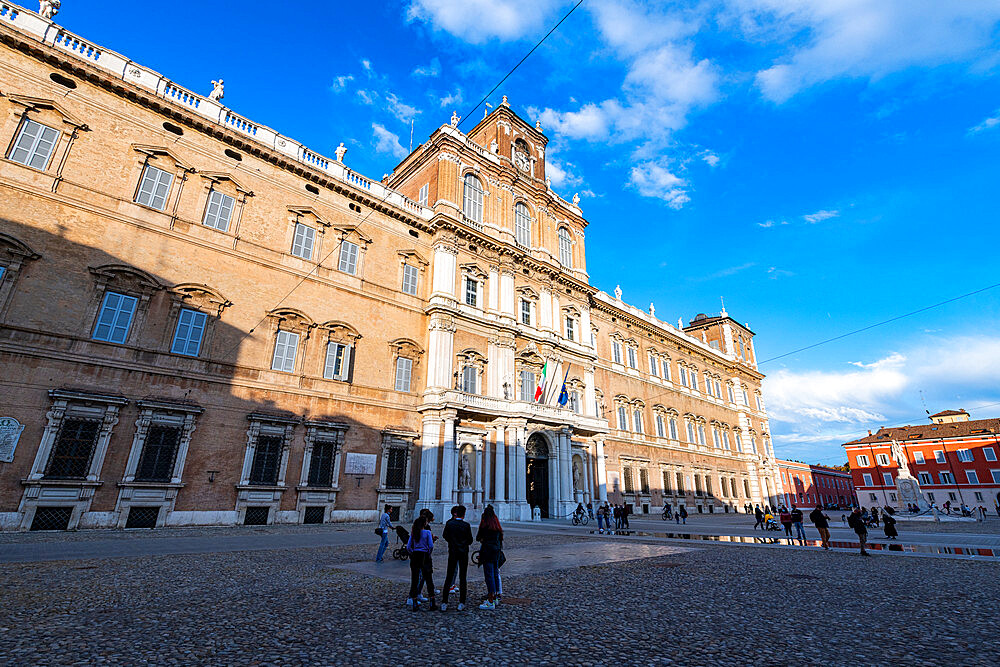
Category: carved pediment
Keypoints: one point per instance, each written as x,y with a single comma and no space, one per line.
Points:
40,104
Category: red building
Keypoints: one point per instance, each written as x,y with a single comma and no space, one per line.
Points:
953,458
806,485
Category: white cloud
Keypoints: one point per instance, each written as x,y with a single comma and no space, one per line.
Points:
478,21
387,142
562,174
833,407
767,224
774,273
340,82
861,39
987,124
431,70
397,108
452,99
653,179
820,216
710,158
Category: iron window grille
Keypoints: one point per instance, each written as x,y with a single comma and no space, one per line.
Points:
627,479
142,517
74,449
51,518
159,451
644,480
266,461
321,463
395,471
256,516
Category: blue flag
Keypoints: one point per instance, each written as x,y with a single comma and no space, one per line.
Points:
564,395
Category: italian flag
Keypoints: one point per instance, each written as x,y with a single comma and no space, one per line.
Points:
541,382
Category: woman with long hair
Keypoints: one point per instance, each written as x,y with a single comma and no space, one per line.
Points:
490,536
420,545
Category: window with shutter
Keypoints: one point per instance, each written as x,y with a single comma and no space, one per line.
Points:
115,317
286,346
219,211
338,362
189,332
302,243
154,187
404,369
34,145
348,258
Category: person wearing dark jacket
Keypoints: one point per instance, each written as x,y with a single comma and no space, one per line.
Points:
759,515
420,545
822,523
458,534
889,525
490,536
858,524
786,521
797,522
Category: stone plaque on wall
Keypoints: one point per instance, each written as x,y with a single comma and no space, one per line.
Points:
359,464
10,433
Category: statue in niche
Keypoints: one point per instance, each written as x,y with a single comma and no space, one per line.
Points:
218,91
455,118
340,152
577,475
464,472
47,9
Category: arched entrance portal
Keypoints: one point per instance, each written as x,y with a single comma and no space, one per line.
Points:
536,454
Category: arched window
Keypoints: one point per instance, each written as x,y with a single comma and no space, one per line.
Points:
472,200
565,248
522,224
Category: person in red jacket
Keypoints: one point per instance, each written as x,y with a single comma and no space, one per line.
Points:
785,517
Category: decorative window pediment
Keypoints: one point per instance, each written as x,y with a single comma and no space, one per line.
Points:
162,153
411,256
473,270
340,332
571,310
38,104
525,292
125,278
353,234
404,347
471,357
221,177
290,319
200,296
307,215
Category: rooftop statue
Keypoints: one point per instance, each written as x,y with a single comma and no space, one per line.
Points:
48,8
341,150
455,118
217,91
576,198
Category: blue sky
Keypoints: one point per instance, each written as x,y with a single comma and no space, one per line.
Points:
821,165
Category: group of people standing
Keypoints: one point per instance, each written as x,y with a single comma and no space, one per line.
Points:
619,513
457,533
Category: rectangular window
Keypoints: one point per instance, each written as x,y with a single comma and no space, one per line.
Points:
666,369
73,449
286,346
321,463
266,460
653,366
115,317
404,370
190,329
156,463
759,404
862,461
739,442
666,483
867,479
154,187
701,435
627,482
422,194
302,244
918,457
616,352
988,452
882,459
694,379
661,431
338,363
946,478
732,396
684,376
691,433
470,379
622,418
348,257
395,469
673,428
409,279
746,401
219,211
965,455
680,483
718,389
887,478
570,328
972,476
525,312
471,292
996,476
925,478
633,361
715,438
34,145
637,420
939,456
644,480
574,402
746,488
527,385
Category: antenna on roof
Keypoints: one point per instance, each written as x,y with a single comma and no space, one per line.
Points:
723,313
411,135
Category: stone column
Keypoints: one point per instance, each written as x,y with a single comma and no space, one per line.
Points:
493,299
602,473
566,467
589,406
477,494
507,301
440,354
545,309
445,259
486,472
448,469
585,327
500,492
429,444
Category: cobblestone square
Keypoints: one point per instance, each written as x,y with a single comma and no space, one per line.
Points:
714,603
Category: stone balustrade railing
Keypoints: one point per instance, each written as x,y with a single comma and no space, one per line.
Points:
501,406
47,32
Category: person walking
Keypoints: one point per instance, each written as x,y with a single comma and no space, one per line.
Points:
822,523
626,510
796,514
617,514
889,525
458,534
683,514
590,510
785,517
861,530
384,526
759,515
490,537
420,545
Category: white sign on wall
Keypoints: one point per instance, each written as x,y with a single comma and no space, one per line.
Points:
10,433
359,464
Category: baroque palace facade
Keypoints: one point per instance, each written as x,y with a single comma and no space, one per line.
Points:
202,321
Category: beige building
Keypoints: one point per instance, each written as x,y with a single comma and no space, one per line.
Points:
202,321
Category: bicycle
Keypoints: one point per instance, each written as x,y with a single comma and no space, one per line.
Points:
580,519
666,515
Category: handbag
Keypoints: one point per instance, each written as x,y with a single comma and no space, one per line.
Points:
378,531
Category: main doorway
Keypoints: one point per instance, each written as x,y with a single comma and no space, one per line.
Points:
536,454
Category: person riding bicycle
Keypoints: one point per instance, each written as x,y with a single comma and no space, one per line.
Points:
579,512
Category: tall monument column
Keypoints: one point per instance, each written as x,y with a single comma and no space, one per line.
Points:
602,473
429,444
